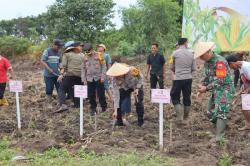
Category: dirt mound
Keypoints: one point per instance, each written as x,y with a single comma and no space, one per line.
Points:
41,129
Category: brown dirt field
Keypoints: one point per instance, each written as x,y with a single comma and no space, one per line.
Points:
42,130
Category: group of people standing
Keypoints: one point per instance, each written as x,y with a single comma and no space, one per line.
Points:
217,80
80,64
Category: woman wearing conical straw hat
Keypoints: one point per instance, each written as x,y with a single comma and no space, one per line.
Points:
126,79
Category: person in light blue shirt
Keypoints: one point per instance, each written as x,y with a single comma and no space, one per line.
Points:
50,61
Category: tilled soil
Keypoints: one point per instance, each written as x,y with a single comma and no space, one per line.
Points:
41,129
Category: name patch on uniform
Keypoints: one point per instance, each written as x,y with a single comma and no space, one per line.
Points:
221,70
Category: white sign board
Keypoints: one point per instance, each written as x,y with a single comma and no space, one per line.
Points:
80,91
16,86
160,95
245,101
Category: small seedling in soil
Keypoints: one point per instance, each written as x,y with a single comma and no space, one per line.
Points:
225,160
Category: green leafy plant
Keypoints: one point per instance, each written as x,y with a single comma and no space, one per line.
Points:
225,160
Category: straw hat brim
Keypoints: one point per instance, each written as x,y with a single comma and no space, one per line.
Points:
202,47
68,49
117,69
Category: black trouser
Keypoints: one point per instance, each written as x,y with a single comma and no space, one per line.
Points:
154,78
68,86
2,89
139,105
61,94
93,87
236,78
184,86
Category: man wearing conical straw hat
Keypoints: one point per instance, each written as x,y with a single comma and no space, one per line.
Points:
218,82
125,81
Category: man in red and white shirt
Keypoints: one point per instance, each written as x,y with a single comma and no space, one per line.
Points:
244,69
5,66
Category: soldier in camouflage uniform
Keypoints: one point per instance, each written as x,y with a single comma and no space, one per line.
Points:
126,79
217,81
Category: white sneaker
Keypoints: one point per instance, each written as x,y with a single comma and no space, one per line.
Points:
125,122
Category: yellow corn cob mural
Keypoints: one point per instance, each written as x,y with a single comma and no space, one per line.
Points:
235,30
244,44
222,40
231,12
228,27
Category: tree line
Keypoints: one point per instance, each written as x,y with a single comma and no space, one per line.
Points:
90,21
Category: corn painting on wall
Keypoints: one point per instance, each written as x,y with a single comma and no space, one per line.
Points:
223,22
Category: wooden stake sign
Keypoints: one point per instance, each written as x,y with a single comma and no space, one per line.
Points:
160,96
16,86
81,92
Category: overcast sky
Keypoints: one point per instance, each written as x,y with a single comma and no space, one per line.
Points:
21,8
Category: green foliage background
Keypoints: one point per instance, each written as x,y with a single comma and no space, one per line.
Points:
90,21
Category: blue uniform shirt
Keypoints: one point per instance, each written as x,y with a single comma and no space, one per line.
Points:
52,58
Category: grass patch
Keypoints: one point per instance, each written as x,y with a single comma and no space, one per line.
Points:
61,157
6,153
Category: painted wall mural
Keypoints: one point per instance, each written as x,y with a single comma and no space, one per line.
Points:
226,22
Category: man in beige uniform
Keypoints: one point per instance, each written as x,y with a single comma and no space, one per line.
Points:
93,74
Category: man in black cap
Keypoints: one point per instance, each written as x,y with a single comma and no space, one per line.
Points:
182,66
93,74
50,60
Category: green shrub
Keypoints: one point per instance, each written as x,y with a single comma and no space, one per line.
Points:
126,49
35,51
12,46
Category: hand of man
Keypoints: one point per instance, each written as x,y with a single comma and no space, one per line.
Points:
172,76
164,76
243,78
114,115
102,80
202,89
59,79
84,82
50,70
199,97
136,92
146,77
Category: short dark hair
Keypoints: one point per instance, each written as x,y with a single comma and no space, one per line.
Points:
182,41
58,42
231,58
87,47
155,44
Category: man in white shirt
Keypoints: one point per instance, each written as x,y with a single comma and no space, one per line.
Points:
244,68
